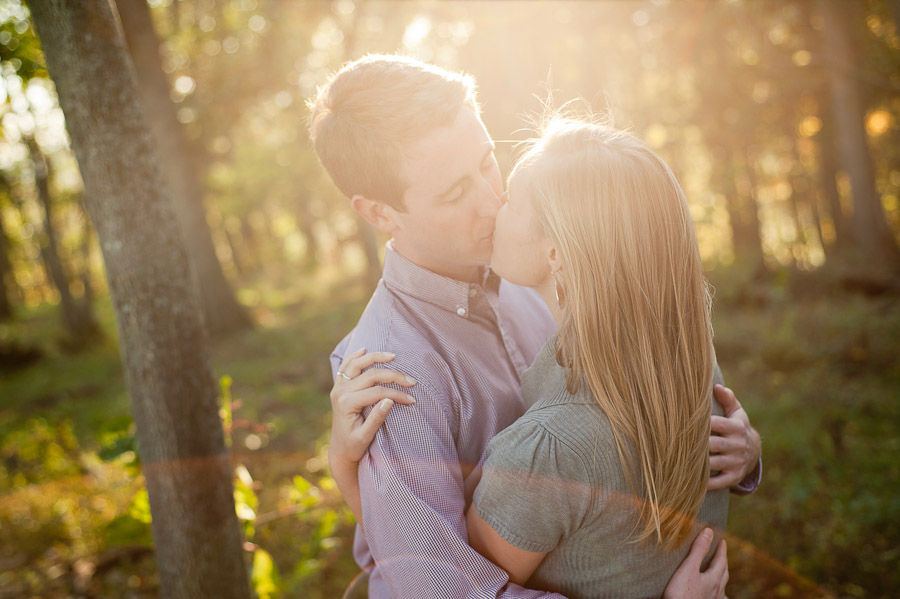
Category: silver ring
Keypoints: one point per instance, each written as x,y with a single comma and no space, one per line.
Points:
344,374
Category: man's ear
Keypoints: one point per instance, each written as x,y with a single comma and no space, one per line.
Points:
378,214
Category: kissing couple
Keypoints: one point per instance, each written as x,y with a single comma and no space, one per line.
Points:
563,430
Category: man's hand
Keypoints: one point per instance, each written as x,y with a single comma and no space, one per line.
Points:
734,445
689,583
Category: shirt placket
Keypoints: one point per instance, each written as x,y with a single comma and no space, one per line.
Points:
487,302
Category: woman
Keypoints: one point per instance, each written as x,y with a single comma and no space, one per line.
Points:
597,489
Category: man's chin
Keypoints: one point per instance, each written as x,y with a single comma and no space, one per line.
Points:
486,252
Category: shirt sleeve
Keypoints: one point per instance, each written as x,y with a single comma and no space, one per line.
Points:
527,470
412,491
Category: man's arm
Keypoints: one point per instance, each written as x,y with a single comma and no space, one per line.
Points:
735,446
688,582
351,433
413,502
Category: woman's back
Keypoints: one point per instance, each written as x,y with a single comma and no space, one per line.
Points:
553,482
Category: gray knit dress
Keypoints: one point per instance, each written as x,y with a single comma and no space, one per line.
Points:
553,483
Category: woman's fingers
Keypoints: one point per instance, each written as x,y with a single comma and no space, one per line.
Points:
366,432
381,375
345,363
353,403
360,362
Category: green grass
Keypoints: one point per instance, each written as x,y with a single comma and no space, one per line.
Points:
820,378
818,373
59,414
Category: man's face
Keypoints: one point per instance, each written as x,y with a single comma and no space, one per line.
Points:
451,199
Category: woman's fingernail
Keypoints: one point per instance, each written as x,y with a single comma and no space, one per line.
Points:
411,398
410,380
386,404
390,354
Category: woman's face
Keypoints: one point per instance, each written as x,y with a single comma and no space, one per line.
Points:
520,246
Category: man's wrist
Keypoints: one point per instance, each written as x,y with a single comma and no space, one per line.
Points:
750,482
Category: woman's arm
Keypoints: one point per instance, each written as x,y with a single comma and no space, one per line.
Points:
518,563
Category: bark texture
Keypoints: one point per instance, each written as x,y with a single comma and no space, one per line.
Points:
222,312
163,343
7,280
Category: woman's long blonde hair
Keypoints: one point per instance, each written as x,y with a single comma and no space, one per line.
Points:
636,317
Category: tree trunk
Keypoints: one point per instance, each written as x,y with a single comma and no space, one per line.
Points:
874,239
222,311
87,300
165,351
742,209
6,275
828,172
78,323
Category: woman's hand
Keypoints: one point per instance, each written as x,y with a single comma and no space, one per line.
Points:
688,582
354,390
351,432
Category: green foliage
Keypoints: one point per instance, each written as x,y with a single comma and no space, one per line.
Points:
38,451
821,381
264,575
816,371
19,45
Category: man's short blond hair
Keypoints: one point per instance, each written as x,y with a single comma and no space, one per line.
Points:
363,117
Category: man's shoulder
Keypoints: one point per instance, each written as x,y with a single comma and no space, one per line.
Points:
383,326
387,326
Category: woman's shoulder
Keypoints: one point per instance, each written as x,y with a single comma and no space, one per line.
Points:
563,434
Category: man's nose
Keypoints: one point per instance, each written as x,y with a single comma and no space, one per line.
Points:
489,201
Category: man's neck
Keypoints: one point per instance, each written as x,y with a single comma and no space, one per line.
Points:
466,274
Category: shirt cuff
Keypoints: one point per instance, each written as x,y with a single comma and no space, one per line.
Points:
750,482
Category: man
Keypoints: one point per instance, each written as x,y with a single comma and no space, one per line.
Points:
405,142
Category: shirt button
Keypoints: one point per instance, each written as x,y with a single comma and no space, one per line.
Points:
472,292
461,311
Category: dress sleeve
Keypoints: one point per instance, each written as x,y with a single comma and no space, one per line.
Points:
413,501
534,490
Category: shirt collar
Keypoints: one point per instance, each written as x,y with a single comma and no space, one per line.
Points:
404,277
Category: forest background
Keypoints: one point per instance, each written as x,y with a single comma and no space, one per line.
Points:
779,117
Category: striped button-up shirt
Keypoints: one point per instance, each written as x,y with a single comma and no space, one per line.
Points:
466,345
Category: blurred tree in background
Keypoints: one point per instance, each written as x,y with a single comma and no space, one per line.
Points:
780,118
